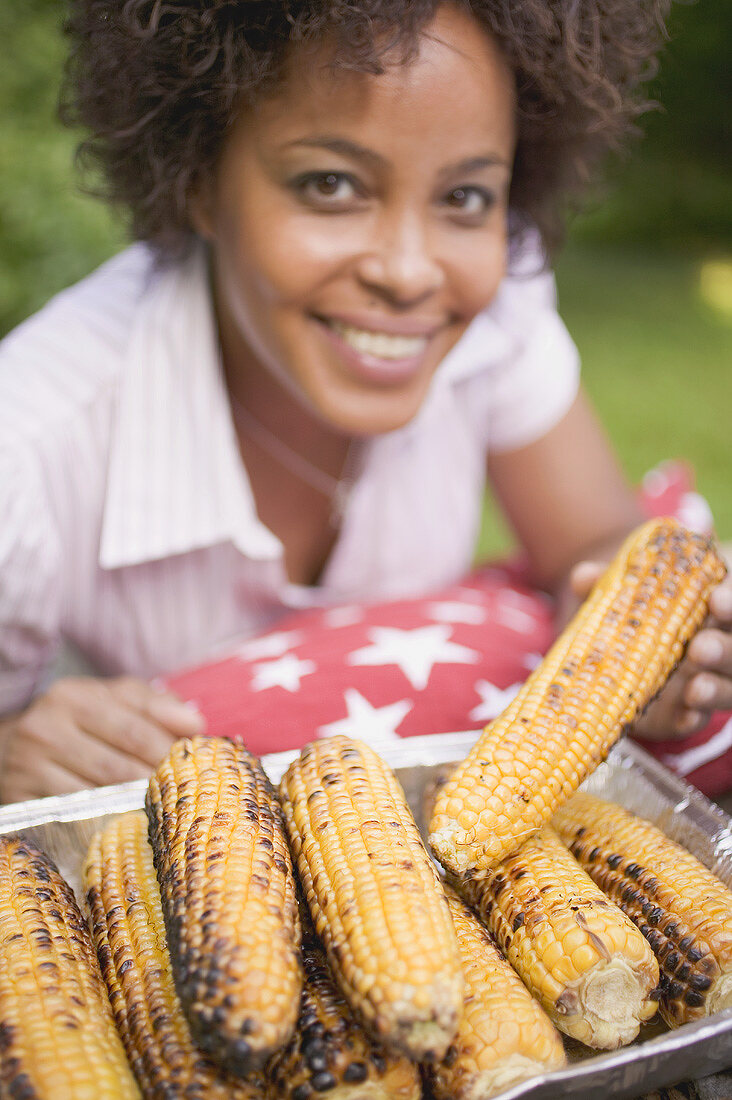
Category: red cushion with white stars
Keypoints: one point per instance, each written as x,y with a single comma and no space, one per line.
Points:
378,672
438,664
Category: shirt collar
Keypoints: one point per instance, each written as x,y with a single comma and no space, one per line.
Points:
176,481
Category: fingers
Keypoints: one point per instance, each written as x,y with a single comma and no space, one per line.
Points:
86,732
122,713
709,686
33,764
182,719
48,778
584,575
98,763
720,602
712,649
708,691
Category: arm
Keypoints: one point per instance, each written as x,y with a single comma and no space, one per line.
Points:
565,497
81,732
570,508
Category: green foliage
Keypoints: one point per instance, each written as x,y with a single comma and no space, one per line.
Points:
655,356
50,234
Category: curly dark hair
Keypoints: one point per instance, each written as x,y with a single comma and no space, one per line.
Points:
158,84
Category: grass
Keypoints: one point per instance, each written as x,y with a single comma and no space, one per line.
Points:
655,335
654,330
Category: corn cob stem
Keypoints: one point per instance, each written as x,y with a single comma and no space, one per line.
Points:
57,1035
229,901
684,910
586,963
127,925
330,1054
374,896
604,668
504,1037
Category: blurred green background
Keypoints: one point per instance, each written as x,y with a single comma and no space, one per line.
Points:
645,281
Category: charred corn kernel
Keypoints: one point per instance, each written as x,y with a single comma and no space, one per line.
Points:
682,909
127,925
374,895
602,670
587,964
504,1037
229,900
57,1034
330,1054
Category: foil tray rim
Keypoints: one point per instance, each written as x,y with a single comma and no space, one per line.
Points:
606,1068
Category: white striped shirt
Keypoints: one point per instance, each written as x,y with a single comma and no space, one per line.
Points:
127,522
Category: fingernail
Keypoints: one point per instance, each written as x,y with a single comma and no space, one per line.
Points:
690,722
178,714
721,601
708,649
703,689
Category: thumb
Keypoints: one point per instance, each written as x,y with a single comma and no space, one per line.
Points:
584,575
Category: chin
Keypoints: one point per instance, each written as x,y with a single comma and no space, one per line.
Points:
369,414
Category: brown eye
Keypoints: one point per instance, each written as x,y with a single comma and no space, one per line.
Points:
328,185
327,190
473,202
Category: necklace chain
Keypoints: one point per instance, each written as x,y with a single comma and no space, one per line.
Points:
336,489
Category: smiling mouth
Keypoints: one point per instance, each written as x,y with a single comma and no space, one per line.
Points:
381,345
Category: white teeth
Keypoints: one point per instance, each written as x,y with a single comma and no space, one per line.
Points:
380,344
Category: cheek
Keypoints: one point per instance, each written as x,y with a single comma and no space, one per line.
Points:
478,270
285,259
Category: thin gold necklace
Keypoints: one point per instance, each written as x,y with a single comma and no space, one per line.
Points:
336,489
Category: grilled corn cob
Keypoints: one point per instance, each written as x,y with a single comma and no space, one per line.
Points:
374,896
504,1037
57,1035
684,911
228,897
604,668
127,925
586,963
331,1054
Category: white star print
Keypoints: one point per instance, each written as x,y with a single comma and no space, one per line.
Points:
531,661
375,725
515,618
270,645
494,700
285,673
414,651
452,611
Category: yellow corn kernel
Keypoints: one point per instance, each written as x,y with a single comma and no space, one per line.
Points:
127,925
682,909
331,1054
58,1034
603,669
374,896
580,956
229,900
504,1037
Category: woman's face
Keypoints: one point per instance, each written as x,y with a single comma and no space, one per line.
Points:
358,223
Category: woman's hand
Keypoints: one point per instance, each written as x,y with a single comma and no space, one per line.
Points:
86,732
703,681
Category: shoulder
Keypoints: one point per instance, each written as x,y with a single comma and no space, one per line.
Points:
527,293
65,358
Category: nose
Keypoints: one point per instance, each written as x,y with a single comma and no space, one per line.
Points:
399,264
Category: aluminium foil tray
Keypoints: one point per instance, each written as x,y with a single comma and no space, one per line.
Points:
63,826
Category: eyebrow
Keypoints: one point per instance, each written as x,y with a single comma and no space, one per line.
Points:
346,148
